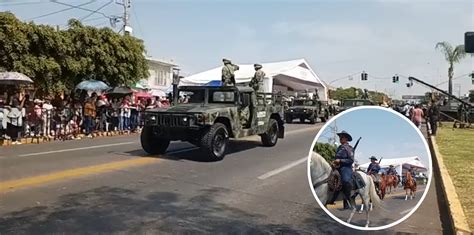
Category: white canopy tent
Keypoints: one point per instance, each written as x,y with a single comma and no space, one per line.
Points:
294,74
400,164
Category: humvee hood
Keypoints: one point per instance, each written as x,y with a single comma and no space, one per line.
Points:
191,108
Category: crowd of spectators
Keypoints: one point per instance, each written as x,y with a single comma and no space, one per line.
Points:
68,118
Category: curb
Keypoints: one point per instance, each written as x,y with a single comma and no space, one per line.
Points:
456,214
42,140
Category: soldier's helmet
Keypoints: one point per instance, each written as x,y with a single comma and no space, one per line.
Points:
226,61
257,66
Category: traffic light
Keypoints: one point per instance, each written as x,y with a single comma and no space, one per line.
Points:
395,79
363,76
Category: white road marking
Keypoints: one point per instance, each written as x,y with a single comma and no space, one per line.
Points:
76,149
406,211
282,169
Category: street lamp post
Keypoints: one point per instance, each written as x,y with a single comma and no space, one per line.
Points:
175,85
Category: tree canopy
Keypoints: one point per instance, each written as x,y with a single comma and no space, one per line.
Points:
356,93
327,151
57,60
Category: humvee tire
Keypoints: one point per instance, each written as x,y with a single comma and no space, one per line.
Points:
270,137
152,144
214,141
323,119
312,119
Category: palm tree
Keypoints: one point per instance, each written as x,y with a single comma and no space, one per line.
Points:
452,56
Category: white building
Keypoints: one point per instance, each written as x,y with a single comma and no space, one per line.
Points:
161,75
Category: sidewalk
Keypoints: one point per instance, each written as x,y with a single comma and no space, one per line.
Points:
44,139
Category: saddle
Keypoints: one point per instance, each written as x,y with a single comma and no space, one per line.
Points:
357,181
333,180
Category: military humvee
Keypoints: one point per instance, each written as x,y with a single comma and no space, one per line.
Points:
211,116
351,103
305,109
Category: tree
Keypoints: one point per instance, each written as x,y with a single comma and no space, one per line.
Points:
452,56
327,151
58,60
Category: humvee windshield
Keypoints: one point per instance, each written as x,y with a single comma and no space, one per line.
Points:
196,96
303,102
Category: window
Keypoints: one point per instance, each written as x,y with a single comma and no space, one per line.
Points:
222,97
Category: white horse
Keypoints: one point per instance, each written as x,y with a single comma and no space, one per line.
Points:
320,171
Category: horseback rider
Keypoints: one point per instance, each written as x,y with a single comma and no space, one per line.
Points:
343,163
413,174
391,170
373,170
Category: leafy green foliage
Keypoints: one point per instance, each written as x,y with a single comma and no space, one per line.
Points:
327,151
58,60
356,93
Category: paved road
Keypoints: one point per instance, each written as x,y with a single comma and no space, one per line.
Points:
109,185
394,208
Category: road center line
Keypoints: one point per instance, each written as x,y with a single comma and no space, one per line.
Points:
75,149
283,168
73,173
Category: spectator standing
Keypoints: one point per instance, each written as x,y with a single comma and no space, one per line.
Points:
433,115
3,119
15,121
417,116
89,115
115,114
125,112
47,115
102,113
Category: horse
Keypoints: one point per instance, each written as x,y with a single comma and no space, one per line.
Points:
409,185
392,181
320,171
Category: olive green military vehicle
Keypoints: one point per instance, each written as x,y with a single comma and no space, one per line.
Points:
211,116
305,109
351,103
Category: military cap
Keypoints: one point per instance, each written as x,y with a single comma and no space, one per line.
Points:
257,66
226,61
345,134
373,158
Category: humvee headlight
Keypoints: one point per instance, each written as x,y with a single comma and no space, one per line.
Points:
152,118
185,119
291,110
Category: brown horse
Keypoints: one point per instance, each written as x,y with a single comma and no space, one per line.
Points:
409,185
391,181
382,186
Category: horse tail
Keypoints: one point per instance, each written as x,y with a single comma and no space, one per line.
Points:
373,194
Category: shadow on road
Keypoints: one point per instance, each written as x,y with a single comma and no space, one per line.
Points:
112,210
195,154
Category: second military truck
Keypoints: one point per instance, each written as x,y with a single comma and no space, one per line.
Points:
211,116
305,109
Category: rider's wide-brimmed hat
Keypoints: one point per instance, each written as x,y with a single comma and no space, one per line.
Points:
373,158
226,61
390,166
345,134
257,66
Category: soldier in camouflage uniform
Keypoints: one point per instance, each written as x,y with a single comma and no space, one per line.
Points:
228,77
257,81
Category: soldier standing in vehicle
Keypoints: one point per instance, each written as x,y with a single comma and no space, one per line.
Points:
228,77
345,159
257,81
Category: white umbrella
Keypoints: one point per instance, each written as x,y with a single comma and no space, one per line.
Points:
13,78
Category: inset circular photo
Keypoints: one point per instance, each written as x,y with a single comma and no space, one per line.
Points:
369,168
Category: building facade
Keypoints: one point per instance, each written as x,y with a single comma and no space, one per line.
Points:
161,74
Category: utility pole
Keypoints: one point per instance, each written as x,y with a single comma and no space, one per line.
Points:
126,15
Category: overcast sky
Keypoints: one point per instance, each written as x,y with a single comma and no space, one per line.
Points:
337,38
383,133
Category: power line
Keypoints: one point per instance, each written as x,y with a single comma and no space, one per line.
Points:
138,22
22,3
62,10
79,7
97,10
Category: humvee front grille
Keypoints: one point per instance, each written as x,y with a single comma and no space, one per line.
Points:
172,120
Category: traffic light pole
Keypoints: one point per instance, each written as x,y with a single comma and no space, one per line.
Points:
435,88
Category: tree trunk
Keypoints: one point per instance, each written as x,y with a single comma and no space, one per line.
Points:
450,79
